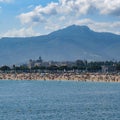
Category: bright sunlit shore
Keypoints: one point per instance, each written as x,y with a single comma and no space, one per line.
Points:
95,77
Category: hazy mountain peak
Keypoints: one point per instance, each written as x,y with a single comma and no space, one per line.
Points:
71,31
70,43
77,27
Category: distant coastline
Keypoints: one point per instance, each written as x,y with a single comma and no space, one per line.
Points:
95,77
79,70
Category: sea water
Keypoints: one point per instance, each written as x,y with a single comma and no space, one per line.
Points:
55,100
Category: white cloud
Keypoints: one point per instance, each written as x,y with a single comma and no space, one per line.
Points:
56,15
62,18
108,6
23,32
60,14
103,6
113,27
31,17
40,14
70,8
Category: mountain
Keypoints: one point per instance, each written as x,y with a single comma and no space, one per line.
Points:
71,43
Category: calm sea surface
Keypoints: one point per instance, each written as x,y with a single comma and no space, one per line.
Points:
55,100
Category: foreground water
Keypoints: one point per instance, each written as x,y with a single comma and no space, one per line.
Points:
54,100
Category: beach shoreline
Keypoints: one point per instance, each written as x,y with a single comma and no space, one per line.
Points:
87,77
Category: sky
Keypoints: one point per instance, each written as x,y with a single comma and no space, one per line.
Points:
24,18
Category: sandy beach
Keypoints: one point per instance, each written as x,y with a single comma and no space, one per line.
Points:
95,77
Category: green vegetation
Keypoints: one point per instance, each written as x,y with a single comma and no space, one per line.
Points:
5,68
79,65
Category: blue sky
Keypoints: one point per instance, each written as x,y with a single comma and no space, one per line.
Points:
37,17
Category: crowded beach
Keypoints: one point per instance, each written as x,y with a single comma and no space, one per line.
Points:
95,77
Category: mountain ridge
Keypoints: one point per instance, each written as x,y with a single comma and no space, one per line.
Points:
71,43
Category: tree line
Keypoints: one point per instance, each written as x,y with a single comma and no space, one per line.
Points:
80,65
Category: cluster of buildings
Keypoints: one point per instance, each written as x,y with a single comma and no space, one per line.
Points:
39,63
78,66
